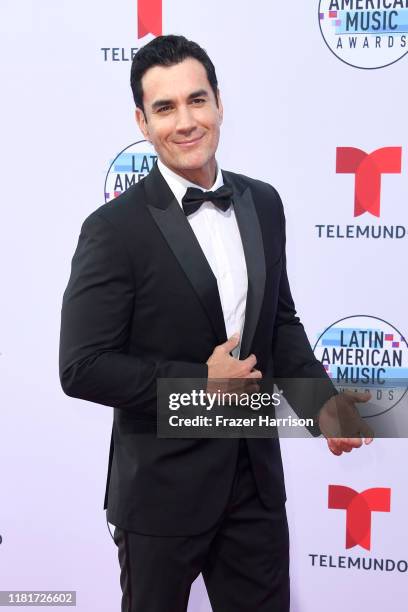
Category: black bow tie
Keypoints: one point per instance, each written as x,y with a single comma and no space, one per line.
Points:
221,198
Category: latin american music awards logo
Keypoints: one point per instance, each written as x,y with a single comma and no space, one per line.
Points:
128,168
365,353
149,22
365,34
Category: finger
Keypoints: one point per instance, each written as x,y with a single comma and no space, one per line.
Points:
237,385
241,385
249,362
333,447
254,374
356,442
341,447
347,444
252,389
344,445
356,396
230,344
366,432
250,384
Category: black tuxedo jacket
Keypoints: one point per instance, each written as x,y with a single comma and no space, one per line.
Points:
142,303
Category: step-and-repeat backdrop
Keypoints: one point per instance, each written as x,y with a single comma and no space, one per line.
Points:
315,98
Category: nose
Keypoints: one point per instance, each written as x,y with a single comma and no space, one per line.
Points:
185,120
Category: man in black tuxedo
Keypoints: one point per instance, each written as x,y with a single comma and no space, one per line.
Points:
171,282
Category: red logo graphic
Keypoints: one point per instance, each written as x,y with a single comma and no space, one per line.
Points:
359,507
149,17
368,168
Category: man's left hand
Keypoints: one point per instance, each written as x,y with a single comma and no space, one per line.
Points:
338,417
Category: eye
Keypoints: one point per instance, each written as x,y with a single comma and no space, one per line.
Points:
198,101
164,109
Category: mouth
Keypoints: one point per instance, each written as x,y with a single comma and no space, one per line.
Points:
186,144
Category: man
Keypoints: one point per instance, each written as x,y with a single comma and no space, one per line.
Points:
171,282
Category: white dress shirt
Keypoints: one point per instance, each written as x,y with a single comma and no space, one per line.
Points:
218,235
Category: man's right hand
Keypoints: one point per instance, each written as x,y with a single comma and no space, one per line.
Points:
222,366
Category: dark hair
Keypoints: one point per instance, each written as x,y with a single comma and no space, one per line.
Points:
168,51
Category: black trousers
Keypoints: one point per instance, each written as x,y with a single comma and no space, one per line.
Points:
244,559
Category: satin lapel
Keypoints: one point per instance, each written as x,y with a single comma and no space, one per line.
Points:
173,224
251,236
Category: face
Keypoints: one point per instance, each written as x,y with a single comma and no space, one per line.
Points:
182,119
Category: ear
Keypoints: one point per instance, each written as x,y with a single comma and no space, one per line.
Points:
142,123
220,107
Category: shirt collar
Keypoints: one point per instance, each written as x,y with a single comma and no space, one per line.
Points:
179,185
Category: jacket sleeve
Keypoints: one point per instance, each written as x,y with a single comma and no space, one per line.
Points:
95,324
303,378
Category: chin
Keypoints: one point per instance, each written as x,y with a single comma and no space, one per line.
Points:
193,162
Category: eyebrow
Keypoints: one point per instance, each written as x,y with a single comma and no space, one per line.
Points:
200,93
